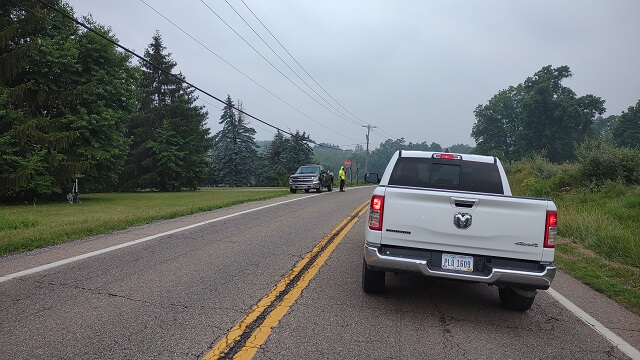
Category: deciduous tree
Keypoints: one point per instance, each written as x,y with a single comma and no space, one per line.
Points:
100,114
626,131
538,116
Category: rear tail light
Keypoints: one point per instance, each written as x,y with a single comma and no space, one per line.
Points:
551,229
376,208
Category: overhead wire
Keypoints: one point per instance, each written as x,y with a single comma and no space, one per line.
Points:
390,136
297,62
245,75
161,69
345,117
221,109
272,65
238,70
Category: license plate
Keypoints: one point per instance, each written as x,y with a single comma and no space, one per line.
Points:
457,262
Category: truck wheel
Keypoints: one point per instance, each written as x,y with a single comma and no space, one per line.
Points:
330,187
306,190
319,189
516,298
293,191
372,280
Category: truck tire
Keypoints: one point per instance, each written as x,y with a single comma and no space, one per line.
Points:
516,299
293,191
306,190
319,189
330,187
372,280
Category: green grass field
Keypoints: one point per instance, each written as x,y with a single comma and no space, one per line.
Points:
601,245
27,227
597,223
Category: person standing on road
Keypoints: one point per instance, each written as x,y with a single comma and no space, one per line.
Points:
341,176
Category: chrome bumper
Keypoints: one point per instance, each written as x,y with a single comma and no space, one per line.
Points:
302,186
538,280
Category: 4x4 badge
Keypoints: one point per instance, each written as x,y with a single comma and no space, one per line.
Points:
462,220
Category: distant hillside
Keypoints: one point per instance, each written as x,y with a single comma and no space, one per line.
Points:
330,158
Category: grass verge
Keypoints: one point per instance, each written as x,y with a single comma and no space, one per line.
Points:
619,282
597,224
600,243
27,227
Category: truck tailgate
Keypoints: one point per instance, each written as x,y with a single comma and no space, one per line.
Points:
501,226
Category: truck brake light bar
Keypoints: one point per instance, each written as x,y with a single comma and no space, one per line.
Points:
447,156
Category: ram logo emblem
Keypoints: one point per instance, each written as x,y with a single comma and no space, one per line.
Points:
462,220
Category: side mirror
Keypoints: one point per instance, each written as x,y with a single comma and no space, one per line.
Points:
372,178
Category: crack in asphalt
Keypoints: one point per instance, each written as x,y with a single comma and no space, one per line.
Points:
610,353
445,321
147,302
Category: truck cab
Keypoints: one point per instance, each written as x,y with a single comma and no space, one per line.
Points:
309,177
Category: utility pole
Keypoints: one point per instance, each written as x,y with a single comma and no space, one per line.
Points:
366,158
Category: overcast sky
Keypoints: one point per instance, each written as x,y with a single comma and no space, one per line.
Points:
415,69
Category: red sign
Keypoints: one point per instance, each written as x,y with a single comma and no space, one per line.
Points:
347,163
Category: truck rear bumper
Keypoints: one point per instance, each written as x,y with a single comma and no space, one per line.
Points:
534,279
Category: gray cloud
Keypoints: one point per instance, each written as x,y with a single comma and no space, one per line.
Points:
416,69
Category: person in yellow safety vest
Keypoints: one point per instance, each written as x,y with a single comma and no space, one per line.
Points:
341,176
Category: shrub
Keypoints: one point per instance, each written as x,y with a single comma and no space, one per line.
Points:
537,176
600,161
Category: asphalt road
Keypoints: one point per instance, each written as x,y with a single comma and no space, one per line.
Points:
177,295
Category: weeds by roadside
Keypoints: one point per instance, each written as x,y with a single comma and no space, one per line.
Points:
598,211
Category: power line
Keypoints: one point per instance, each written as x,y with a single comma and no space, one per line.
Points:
294,59
270,63
238,70
115,43
284,62
390,136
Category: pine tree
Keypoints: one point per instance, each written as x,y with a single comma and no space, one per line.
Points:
181,144
38,84
235,150
275,173
298,151
169,138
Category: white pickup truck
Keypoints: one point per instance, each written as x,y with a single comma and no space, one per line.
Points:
453,216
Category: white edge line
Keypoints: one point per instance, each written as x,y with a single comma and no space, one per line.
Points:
52,265
617,341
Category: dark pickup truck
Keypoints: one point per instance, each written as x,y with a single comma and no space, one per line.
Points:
311,177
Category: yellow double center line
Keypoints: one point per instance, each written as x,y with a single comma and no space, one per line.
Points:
246,337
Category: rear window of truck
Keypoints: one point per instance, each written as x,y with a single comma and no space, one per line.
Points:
447,174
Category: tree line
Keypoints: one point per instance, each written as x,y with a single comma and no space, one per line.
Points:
73,106
543,116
